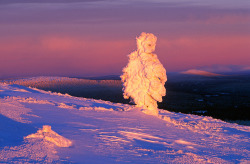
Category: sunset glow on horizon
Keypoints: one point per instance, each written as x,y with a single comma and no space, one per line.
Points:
93,38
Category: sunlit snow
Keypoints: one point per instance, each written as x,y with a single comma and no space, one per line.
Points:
81,130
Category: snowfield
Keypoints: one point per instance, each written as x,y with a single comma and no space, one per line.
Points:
43,127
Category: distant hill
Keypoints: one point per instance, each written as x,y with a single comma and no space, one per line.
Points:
50,81
200,72
110,90
223,97
108,77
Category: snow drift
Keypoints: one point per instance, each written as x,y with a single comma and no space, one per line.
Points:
49,135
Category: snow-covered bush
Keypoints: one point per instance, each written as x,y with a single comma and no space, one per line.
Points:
144,77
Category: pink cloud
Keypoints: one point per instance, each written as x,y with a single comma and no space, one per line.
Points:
228,19
53,43
61,55
69,54
247,68
187,52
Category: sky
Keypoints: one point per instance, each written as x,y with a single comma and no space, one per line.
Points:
80,38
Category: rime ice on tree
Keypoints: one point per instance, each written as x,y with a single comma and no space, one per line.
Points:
144,76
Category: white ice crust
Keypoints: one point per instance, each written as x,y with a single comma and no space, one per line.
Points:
144,77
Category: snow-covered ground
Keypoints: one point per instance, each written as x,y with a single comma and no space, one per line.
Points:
44,127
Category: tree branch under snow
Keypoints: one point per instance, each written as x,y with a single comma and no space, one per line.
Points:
144,76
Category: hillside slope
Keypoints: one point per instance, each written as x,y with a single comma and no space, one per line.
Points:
96,131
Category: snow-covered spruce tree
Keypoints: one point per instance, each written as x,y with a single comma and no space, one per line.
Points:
144,77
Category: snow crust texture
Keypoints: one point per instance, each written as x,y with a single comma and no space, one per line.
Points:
105,132
144,77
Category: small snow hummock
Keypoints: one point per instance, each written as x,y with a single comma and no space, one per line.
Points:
47,134
144,77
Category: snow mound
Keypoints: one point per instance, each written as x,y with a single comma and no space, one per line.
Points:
200,72
49,135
